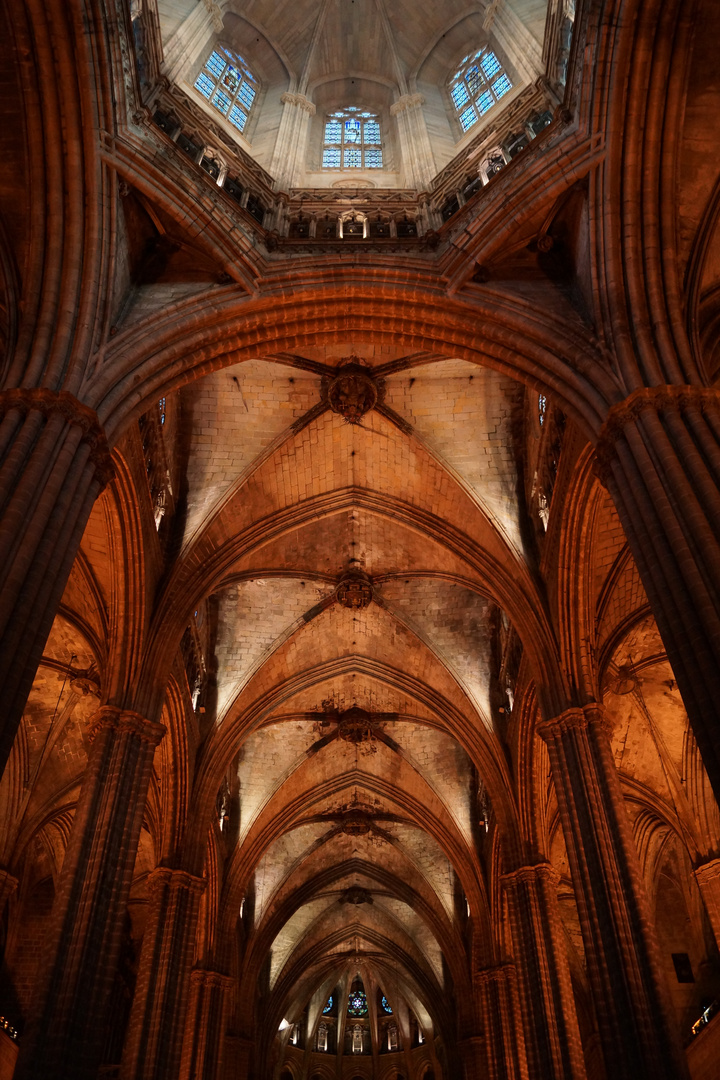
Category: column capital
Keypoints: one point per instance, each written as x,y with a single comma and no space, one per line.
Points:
496,973
299,101
646,399
125,720
25,399
528,875
407,101
575,718
707,871
164,877
210,978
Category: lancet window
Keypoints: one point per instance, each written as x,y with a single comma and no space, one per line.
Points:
477,85
352,140
229,85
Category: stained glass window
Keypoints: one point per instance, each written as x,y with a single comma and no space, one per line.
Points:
357,1003
228,84
478,84
386,1005
328,1007
352,140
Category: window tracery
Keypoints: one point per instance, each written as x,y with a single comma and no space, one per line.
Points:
357,1003
227,82
352,140
477,85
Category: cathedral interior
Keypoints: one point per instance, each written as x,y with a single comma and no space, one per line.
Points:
360,540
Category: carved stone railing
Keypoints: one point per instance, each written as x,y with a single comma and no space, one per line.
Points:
387,218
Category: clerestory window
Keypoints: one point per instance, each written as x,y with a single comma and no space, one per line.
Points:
229,85
352,140
477,85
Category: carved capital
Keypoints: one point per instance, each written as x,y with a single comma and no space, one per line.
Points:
498,973
205,977
530,875
176,880
299,101
647,399
51,402
215,15
407,101
125,720
708,872
575,718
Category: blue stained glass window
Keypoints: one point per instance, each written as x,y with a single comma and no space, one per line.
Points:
485,102
474,79
204,85
471,90
216,64
352,140
385,1005
328,1007
226,82
221,101
333,132
353,131
238,118
501,86
490,65
468,118
231,79
459,94
246,95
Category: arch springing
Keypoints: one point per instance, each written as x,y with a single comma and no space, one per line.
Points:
227,82
479,82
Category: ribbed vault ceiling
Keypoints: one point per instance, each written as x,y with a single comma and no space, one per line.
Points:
284,497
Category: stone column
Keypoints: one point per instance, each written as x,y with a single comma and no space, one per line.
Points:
205,1031
418,161
239,1052
637,1030
552,1036
157,1020
291,146
472,1052
54,463
659,453
503,1045
65,1034
708,879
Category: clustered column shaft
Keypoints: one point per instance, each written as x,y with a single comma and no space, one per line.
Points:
634,1019
53,464
553,1045
157,1020
659,453
204,1040
65,1035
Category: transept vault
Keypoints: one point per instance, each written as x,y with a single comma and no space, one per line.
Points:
360,540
